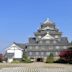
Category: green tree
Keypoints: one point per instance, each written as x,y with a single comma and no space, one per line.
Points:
50,58
25,58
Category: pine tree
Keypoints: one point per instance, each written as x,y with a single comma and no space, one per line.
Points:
25,58
50,58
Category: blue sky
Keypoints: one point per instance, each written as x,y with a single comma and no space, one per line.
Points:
19,19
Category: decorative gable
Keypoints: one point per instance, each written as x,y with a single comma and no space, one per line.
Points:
48,36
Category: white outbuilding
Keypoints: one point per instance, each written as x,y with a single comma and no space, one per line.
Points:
14,52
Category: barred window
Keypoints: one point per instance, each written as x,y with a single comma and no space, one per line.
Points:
30,53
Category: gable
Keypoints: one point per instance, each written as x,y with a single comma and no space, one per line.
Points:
48,36
14,47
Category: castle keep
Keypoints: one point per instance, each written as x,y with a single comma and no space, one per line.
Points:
48,39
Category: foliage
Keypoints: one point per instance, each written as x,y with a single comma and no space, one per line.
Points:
1,57
50,58
25,58
60,61
16,61
66,55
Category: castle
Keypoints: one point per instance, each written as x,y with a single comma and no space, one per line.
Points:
48,39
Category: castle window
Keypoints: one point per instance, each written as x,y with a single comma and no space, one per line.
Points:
64,47
37,53
42,53
36,47
57,47
47,53
34,38
48,29
30,53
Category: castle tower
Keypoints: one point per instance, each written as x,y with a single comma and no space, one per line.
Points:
48,39
48,30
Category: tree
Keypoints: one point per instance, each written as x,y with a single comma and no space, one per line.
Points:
25,58
50,58
66,55
1,57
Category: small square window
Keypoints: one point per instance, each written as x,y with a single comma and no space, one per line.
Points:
47,53
36,47
57,47
30,53
37,53
64,47
42,53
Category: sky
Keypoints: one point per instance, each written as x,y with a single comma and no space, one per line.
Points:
19,19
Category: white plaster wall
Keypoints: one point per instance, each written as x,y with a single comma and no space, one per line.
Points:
16,50
10,51
47,36
18,54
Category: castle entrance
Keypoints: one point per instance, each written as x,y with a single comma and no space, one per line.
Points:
39,59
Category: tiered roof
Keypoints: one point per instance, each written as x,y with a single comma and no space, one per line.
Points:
48,27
